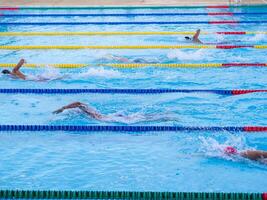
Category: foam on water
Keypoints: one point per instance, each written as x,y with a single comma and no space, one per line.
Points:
47,73
100,72
187,55
256,38
212,147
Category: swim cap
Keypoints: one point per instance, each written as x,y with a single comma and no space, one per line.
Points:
5,71
230,150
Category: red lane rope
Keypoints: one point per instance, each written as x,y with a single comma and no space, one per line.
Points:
233,33
233,46
223,22
221,13
264,196
244,64
239,92
257,129
9,8
217,7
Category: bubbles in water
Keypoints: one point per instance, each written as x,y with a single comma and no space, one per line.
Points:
100,72
187,55
256,38
140,117
47,73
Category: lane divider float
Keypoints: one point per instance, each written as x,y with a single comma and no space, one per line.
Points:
129,23
125,33
75,47
129,7
94,128
127,91
138,65
127,195
130,14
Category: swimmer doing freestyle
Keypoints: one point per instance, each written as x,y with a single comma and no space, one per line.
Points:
254,155
114,117
195,39
17,74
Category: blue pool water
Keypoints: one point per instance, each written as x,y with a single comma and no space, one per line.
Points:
182,161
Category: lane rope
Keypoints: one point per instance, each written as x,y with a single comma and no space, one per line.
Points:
138,65
124,33
128,23
127,91
75,47
94,128
127,195
130,14
130,7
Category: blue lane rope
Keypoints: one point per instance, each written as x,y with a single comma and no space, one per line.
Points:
126,91
126,195
124,15
108,91
126,23
76,128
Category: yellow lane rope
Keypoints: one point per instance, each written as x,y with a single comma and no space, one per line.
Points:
109,33
171,65
46,65
137,65
123,65
73,47
92,33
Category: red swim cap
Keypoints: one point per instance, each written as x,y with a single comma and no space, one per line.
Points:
230,150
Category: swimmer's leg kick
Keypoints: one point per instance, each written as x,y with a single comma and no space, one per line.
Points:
118,58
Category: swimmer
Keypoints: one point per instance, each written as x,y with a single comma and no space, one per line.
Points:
16,73
127,60
114,117
195,38
254,155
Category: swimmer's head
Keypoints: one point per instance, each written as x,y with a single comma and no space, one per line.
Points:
230,150
188,38
6,71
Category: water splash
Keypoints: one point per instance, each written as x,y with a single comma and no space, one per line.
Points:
140,117
47,73
187,55
212,148
256,38
99,72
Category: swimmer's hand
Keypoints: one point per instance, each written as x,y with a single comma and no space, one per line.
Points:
58,111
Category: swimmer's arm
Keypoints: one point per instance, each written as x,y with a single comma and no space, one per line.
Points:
70,106
254,155
18,66
195,37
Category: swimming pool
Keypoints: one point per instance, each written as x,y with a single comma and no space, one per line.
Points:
163,161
